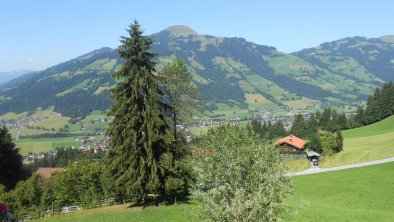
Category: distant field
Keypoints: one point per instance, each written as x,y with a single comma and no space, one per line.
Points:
45,144
300,103
367,143
198,130
55,122
256,98
34,147
360,194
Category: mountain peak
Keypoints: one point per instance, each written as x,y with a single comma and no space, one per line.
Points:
180,30
387,38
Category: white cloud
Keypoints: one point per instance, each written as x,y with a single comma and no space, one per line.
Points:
29,60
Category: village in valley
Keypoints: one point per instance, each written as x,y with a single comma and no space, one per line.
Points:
90,143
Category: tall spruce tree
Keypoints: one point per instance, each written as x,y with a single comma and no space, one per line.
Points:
358,119
299,126
140,133
315,143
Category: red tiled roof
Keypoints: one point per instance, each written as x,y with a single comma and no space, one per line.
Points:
292,140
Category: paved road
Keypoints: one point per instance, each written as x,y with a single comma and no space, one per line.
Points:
315,169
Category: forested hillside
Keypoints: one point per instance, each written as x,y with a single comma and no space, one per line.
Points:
231,71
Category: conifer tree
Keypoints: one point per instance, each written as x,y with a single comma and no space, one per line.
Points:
256,126
315,143
299,126
181,94
339,141
10,160
140,133
277,130
380,105
342,122
359,117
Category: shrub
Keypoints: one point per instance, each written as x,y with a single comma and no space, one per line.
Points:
240,176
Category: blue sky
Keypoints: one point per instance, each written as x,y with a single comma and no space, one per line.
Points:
41,33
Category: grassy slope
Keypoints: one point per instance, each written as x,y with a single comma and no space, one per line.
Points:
119,213
360,194
362,144
381,127
367,143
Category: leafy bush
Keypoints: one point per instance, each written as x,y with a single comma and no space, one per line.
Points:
240,176
331,142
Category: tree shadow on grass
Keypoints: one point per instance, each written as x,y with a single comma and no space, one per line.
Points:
162,200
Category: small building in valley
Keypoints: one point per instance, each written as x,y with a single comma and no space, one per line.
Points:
290,143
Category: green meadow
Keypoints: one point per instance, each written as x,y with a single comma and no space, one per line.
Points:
360,194
366,143
185,212
45,144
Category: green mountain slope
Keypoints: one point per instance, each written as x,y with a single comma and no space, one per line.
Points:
372,142
230,71
381,127
357,62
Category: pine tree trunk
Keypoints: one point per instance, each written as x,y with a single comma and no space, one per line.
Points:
175,138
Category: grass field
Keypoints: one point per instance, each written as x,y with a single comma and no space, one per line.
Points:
360,194
300,103
296,165
179,212
367,143
34,147
55,122
381,127
259,101
45,144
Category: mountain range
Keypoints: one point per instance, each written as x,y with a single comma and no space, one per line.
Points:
10,75
228,71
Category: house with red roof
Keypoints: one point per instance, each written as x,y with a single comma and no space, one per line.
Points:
290,143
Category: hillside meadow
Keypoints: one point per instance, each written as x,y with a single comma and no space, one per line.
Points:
372,142
360,194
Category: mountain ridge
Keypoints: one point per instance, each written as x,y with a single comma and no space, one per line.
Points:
228,70
10,75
